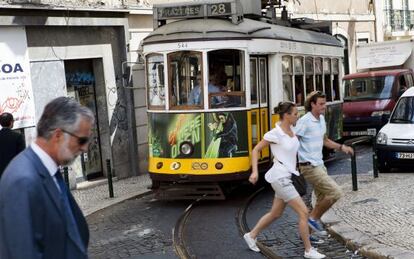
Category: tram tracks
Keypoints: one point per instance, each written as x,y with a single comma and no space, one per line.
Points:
179,240
179,243
244,228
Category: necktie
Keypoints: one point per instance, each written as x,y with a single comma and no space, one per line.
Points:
70,219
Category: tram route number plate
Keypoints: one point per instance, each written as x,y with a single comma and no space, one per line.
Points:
219,9
401,155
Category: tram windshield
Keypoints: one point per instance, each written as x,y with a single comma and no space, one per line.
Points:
225,86
155,80
223,83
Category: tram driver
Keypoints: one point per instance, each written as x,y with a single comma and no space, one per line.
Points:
195,94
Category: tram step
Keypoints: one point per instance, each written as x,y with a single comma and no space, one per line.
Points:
190,192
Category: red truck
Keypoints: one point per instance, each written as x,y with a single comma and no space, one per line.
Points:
370,96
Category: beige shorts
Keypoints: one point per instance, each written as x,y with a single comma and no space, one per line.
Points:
323,185
284,189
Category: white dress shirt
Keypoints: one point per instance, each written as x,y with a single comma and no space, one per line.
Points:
47,161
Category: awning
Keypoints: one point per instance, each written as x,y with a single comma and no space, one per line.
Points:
383,54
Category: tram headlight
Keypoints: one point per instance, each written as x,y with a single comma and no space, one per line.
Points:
186,148
175,165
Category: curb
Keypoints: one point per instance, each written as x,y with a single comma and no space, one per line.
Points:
361,242
113,201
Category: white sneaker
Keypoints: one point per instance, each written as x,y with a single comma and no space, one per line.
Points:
251,242
313,254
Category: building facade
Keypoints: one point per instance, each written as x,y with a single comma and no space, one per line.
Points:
395,19
81,49
352,22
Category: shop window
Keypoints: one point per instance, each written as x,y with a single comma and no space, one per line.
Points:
155,80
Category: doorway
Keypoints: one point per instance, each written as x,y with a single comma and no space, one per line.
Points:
80,85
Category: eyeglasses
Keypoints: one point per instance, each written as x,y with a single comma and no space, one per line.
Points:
81,140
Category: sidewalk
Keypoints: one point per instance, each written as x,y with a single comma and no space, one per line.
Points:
94,196
378,219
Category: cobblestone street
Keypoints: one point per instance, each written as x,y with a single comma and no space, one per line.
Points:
283,237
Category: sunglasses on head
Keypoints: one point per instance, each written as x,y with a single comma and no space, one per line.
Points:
81,140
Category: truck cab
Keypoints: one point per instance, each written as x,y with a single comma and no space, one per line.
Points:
369,98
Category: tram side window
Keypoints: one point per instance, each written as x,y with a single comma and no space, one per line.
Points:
309,75
185,80
155,80
318,74
287,78
253,80
225,78
263,80
336,95
299,82
327,78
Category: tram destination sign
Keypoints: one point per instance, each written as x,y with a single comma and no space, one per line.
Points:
194,10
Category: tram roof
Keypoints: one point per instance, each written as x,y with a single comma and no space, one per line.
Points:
220,29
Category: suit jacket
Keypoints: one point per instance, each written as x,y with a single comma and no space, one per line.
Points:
11,144
32,215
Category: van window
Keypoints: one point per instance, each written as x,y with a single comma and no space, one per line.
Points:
408,80
404,111
370,88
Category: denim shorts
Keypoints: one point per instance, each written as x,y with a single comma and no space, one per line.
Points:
284,189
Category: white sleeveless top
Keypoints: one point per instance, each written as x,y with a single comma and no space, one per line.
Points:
284,149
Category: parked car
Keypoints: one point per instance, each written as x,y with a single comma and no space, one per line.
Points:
395,141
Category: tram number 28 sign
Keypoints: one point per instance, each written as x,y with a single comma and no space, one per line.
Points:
193,11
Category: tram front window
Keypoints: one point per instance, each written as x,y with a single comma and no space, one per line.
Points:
185,80
155,80
225,86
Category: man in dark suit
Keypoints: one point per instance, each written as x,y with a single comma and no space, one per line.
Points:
39,218
11,143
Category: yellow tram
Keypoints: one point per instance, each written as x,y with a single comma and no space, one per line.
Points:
212,78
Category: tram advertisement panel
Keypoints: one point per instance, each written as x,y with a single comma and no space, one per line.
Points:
167,132
212,135
226,134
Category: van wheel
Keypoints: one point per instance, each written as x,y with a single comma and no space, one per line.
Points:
383,168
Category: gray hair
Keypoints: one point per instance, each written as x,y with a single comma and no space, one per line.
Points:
62,113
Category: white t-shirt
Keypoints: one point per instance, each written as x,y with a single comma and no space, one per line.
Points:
284,149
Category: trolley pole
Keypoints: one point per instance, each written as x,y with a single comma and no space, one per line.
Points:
66,176
109,174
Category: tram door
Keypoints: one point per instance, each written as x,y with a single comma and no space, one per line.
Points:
259,101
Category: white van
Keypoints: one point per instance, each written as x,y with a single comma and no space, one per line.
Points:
395,141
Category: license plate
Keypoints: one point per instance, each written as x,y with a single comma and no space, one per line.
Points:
369,132
358,133
405,155
372,132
